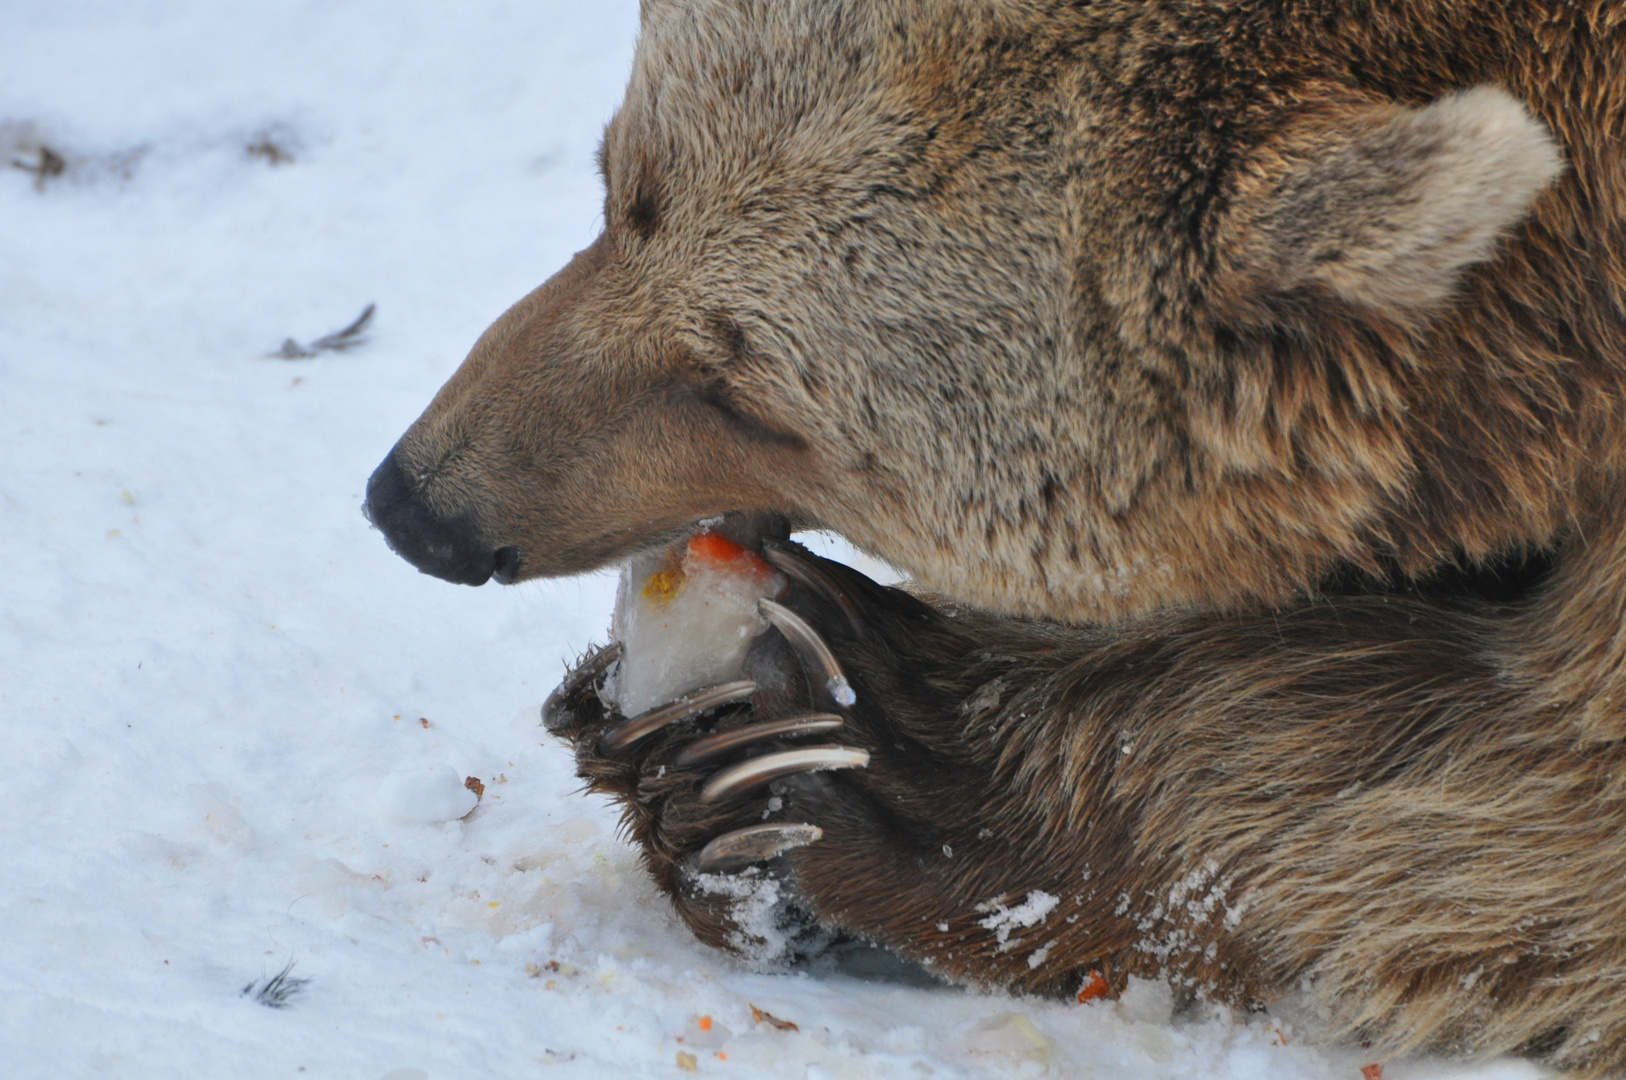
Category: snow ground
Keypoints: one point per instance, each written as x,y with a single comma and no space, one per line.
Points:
234,723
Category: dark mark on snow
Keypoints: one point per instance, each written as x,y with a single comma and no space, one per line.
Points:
339,341
24,148
279,991
272,151
47,165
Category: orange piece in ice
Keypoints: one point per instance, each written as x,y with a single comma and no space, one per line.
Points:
721,553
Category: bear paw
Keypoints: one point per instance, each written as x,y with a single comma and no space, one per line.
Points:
758,803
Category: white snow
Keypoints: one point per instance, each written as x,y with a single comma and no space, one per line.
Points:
753,900
214,676
430,794
1006,919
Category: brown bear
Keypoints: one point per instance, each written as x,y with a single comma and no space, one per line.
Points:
1241,382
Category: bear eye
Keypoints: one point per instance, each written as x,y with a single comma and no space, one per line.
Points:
712,387
718,397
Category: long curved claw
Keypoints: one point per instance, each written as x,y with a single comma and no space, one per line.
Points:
558,712
696,701
821,663
796,566
738,849
712,747
749,774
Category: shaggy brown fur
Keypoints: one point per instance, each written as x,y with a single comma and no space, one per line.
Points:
1161,316
1339,793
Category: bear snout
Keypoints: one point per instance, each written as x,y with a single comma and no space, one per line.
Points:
448,548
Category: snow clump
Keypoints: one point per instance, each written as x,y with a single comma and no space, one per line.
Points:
429,795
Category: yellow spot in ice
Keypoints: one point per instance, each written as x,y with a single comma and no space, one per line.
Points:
666,582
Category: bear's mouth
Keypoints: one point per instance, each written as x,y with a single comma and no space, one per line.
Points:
748,528
507,565
454,549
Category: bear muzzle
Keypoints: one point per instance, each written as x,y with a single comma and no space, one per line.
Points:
448,548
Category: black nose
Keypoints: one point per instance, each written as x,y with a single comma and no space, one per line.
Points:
448,548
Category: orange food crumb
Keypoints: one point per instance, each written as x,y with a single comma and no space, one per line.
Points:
704,1023
763,1017
1095,986
1373,1071
721,1056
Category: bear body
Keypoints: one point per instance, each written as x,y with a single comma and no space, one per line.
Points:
1205,363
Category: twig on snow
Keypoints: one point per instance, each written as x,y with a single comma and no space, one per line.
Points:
338,341
279,991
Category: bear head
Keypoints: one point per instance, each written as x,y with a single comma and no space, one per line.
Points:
1066,310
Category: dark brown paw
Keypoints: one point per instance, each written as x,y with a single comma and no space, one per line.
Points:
843,787
728,781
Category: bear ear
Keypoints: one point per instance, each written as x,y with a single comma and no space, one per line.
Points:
1384,206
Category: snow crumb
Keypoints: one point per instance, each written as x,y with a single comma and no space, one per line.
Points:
1147,1001
429,795
1009,1035
841,691
220,817
1004,920
755,910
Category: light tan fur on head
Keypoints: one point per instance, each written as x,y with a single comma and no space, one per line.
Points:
973,285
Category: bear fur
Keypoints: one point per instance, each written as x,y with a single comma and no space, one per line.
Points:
1242,385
